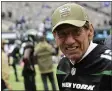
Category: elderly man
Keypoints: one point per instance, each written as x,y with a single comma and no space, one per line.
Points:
89,64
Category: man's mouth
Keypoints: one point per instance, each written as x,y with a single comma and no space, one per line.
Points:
71,48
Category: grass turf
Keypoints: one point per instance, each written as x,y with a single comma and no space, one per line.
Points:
20,85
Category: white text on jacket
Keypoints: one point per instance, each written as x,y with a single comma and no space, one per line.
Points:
78,86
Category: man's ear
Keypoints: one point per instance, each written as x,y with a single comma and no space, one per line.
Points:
55,37
54,34
91,33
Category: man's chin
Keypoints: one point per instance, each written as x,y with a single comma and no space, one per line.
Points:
74,58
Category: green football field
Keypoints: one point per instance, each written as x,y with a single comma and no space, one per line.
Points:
20,85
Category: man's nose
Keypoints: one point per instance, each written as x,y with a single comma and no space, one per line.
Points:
69,39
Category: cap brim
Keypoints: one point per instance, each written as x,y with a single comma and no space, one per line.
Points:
77,23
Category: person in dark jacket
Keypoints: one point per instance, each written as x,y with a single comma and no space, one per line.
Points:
16,56
29,70
88,65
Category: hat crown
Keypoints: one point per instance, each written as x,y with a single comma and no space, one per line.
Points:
70,11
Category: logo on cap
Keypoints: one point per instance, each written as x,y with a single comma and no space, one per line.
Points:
64,11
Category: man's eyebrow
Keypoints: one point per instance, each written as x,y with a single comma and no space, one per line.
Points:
61,28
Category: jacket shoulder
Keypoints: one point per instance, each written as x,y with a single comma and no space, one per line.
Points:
64,65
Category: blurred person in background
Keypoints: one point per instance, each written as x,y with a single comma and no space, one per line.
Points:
5,70
108,41
89,64
47,24
14,53
29,70
41,27
43,52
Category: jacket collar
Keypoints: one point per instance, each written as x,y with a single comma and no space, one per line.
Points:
90,48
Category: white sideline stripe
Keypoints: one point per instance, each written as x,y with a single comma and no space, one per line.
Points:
106,56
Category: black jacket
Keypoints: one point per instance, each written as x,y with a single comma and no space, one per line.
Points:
28,63
93,73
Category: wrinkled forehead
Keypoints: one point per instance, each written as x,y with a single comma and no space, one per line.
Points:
65,27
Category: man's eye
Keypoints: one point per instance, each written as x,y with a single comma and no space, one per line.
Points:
61,33
76,32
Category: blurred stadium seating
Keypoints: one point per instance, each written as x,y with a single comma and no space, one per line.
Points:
35,12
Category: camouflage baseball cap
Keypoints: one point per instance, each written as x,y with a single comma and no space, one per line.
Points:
70,13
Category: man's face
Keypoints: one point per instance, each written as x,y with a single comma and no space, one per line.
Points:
73,41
